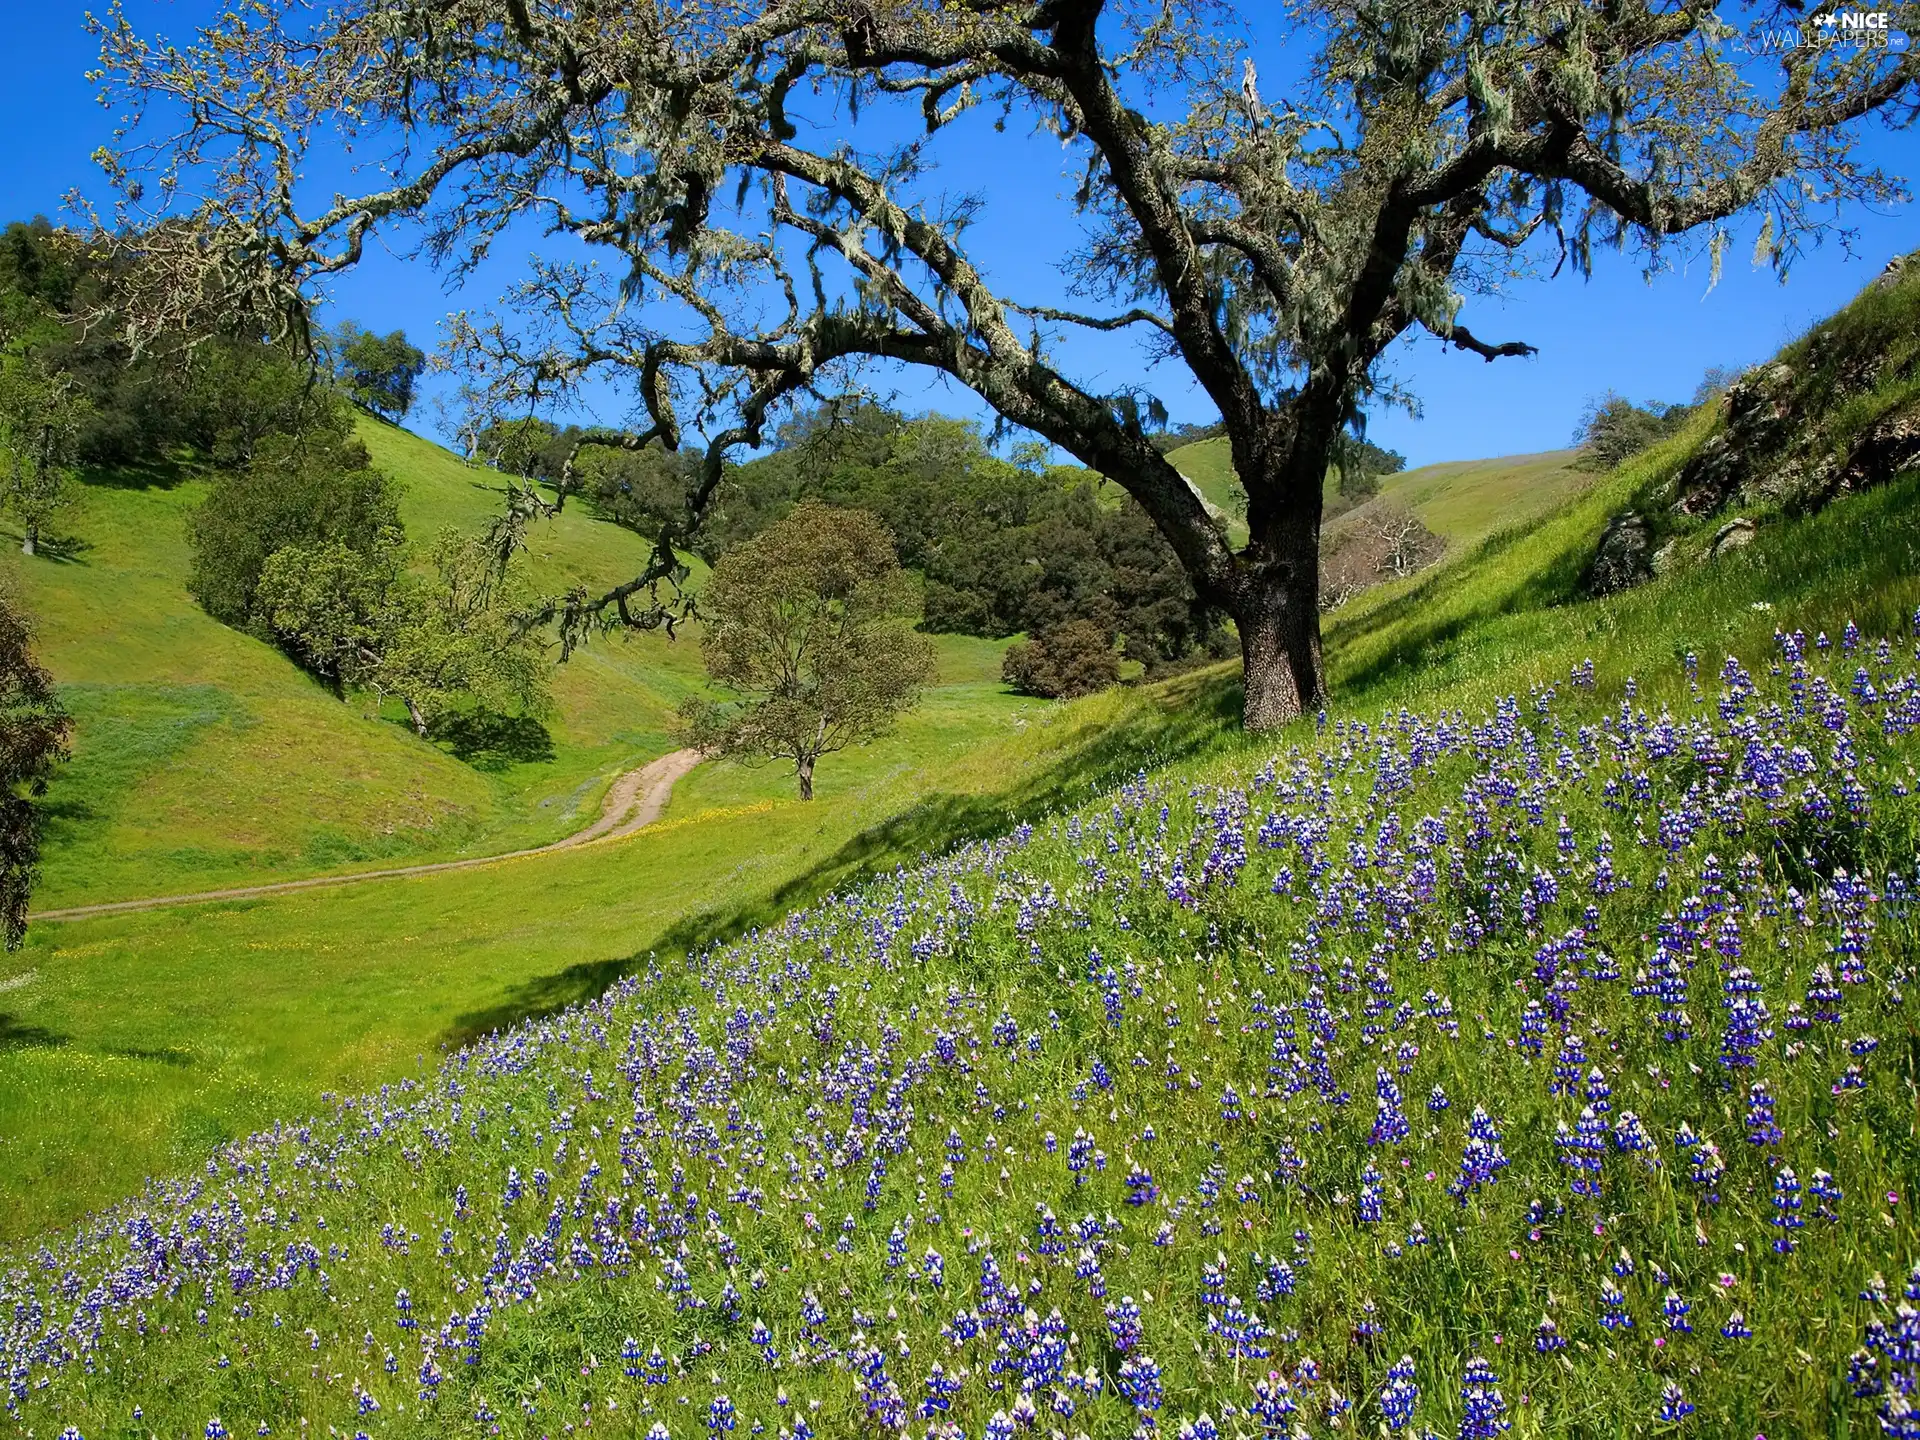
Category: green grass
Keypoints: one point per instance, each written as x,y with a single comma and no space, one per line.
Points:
185,1027
129,1044
140,1037
1462,501
1209,465
204,759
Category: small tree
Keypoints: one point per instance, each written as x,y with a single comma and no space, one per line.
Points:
357,617
460,636
1075,658
810,624
1612,428
519,447
1403,539
34,727
41,415
378,371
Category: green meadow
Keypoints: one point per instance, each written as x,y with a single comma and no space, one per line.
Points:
131,1044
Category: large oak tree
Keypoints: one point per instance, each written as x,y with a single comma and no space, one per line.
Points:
742,165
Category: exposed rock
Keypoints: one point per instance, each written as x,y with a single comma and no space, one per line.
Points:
1623,558
1776,447
1664,557
1758,413
1734,535
1890,445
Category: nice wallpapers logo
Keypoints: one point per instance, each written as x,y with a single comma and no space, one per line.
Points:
1840,29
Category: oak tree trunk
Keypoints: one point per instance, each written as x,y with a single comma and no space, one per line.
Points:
30,540
419,720
1280,653
1277,602
804,769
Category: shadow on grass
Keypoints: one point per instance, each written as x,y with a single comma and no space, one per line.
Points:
489,740
63,549
16,1034
1196,713
155,473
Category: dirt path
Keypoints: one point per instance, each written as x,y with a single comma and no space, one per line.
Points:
635,801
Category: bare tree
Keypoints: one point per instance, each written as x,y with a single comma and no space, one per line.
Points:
1404,542
1273,248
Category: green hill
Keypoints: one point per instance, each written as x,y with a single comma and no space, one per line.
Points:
1259,1072
1462,501
1529,1042
204,758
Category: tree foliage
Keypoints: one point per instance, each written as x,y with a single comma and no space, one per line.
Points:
1071,659
1359,464
361,618
377,372
210,389
34,731
1003,548
42,416
1274,251
1612,428
809,623
311,489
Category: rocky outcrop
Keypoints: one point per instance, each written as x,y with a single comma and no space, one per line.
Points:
1625,556
1774,445
1756,417
1735,534
1836,413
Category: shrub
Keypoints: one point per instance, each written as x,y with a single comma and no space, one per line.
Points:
1613,428
1074,658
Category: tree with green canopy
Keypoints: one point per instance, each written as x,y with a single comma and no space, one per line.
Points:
810,624
773,224
1612,428
42,414
378,372
363,619
34,732
312,488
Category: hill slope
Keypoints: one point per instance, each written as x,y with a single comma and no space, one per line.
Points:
1211,1098
1462,501
203,758
1543,1021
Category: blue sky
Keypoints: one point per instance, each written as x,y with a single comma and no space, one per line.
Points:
1650,340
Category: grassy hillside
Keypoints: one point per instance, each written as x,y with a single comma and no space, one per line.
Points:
203,758
1315,1033
1530,1045
131,1044
1460,500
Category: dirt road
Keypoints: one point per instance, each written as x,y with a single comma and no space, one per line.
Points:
635,801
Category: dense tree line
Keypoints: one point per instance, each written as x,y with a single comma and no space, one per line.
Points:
217,397
1001,546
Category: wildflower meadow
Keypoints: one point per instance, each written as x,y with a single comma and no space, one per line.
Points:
1545,1070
